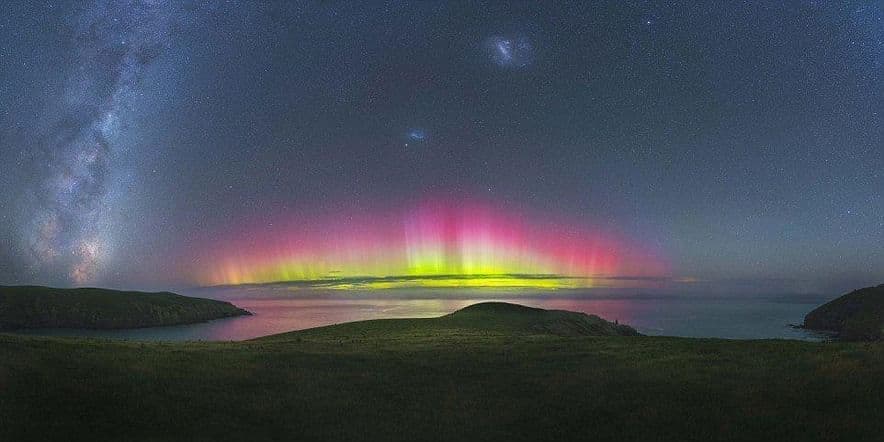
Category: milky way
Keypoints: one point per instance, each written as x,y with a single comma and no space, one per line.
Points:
112,43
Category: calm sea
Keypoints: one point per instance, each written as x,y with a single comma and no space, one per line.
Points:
694,316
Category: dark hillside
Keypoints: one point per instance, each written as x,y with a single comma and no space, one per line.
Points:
856,316
46,307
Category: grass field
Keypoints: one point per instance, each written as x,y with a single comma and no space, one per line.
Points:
459,379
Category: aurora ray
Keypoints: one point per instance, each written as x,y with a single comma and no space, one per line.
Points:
436,244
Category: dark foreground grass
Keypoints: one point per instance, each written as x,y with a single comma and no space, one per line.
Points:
395,380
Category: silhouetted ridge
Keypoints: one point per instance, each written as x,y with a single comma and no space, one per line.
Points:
487,318
856,316
48,307
498,308
522,319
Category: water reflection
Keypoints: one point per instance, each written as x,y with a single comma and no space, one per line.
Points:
738,318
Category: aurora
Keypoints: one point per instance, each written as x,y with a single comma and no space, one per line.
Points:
432,244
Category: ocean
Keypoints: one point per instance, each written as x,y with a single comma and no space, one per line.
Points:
280,310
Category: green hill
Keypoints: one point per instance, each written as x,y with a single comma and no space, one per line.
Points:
856,316
487,318
46,307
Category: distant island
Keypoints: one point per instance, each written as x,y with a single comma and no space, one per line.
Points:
856,316
46,307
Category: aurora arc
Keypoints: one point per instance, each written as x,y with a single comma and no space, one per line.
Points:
434,244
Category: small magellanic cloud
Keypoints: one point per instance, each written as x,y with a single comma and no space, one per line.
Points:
417,135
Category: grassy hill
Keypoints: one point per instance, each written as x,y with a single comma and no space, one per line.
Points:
856,316
511,375
487,318
39,307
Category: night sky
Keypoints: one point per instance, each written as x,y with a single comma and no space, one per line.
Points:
735,146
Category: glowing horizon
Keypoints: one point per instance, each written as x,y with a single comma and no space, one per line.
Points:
432,245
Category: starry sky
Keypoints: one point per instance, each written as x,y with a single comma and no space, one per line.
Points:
739,143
